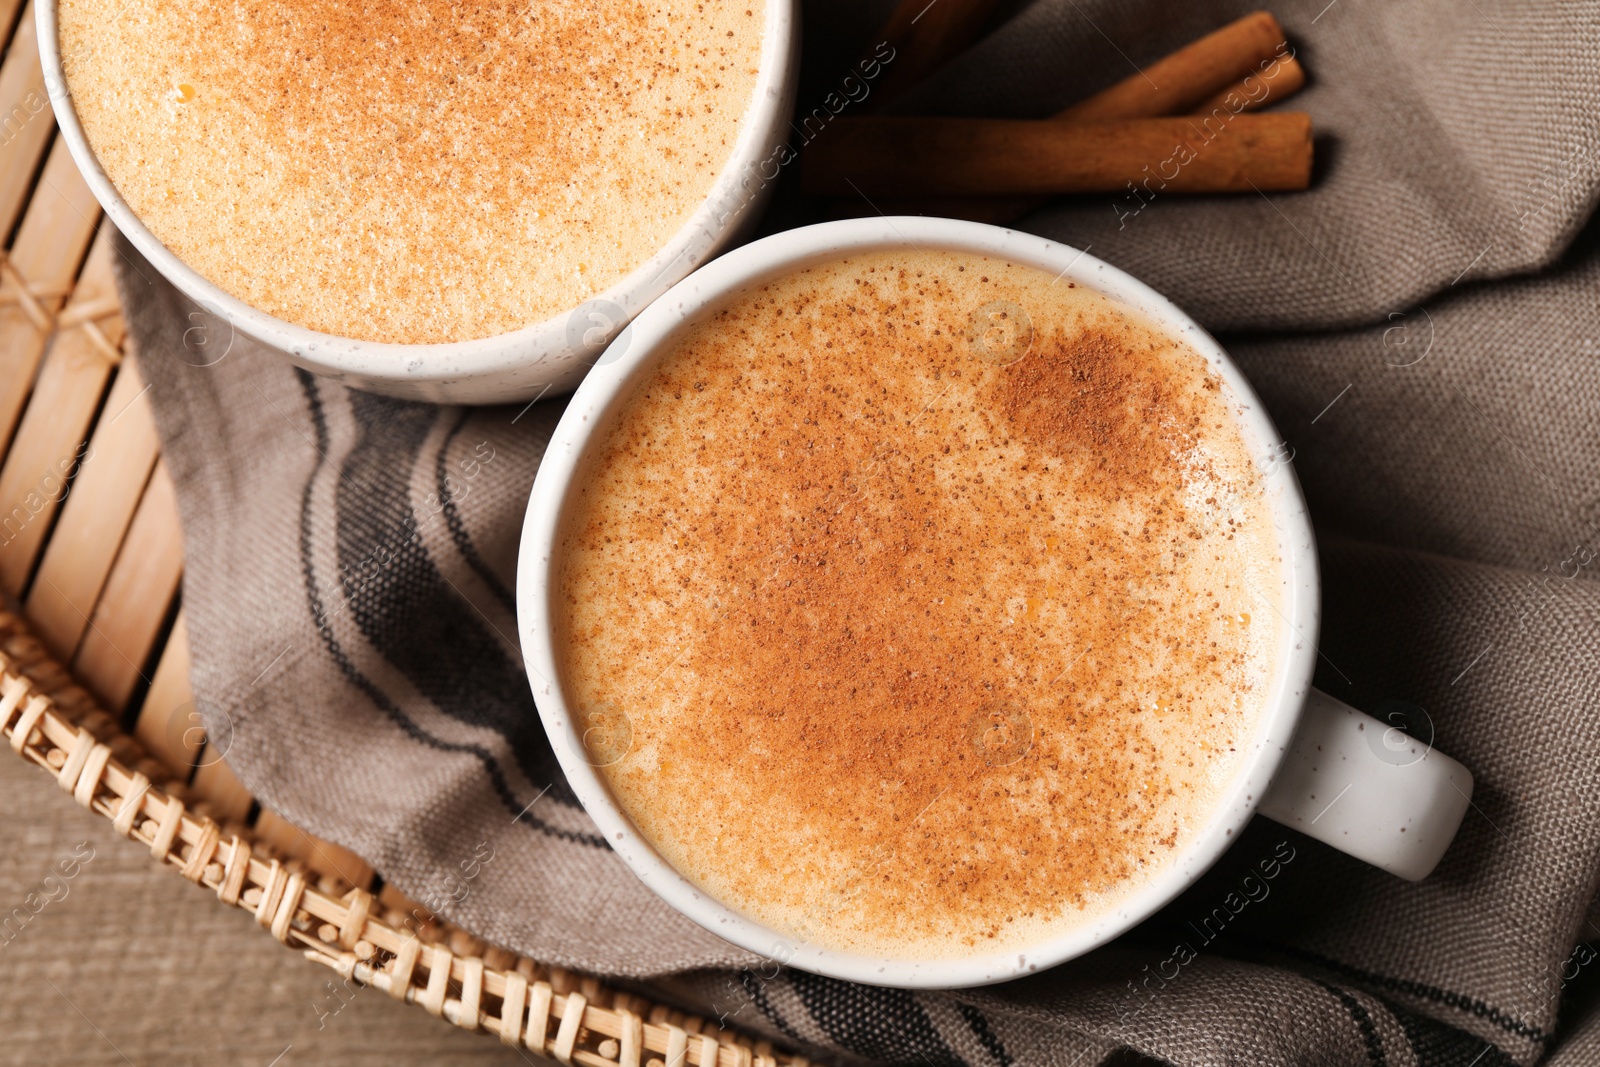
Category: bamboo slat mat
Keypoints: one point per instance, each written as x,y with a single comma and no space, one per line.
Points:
94,653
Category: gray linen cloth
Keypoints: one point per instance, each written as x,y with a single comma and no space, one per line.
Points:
1424,328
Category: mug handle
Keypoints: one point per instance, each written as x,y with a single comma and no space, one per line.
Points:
1368,789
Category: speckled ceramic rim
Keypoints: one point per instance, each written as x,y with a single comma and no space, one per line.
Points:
546,356
602,394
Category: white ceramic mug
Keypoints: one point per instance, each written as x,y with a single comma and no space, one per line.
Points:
1329,771
546,356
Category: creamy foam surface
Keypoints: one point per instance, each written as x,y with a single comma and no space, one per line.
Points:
906,646
413,172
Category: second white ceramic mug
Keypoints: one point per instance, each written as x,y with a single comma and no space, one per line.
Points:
1340,776
542,357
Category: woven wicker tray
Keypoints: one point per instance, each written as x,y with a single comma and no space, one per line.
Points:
94,657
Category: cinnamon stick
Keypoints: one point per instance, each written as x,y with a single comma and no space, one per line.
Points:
925,35
916,157
1277,79
1178,83
1251,51
1282,77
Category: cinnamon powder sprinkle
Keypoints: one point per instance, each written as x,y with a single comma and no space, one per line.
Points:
413,172
923,656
